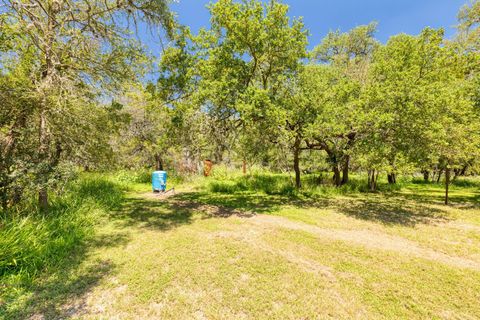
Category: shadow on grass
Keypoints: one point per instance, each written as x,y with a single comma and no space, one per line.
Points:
52,297
458,198
405,203
152,213
60,295
390,210
382,208
165,214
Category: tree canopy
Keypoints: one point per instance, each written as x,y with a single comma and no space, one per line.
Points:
245,90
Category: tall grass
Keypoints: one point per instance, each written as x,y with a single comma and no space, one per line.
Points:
137,179
224,181
31,240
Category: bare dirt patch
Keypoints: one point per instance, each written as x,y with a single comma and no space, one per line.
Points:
370,239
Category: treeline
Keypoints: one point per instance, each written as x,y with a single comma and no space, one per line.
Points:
245,90
410,105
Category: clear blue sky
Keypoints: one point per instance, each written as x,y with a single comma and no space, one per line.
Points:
320,16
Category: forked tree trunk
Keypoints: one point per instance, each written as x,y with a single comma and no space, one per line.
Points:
392,178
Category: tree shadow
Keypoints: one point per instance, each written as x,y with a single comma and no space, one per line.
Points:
461,201
231,203
388,209
158,214
59,293
168,213
48,297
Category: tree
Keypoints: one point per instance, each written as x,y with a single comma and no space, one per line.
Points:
240,66
78,52
401,100
302,98
336,129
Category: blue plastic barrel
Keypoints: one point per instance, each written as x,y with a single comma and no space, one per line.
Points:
159,181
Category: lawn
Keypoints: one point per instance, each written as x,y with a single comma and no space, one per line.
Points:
232,248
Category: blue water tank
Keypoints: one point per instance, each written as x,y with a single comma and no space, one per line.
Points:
159,181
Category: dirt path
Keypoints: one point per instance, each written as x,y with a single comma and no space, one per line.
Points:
367,238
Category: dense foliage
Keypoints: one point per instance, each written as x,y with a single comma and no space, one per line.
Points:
250,92
246,90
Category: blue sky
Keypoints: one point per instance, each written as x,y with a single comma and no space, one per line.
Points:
320,16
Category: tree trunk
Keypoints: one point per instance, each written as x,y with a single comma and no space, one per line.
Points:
456,174
244,167
345,170
447,183
372,180
439,175
47,83
43,155
426,175
392,178
158,162
337,179
43,198
296,163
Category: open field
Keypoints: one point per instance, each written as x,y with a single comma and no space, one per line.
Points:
249,255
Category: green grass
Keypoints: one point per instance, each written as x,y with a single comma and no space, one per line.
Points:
323,252
32,241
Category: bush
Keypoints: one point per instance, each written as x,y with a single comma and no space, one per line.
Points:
467,182
138,176
283,184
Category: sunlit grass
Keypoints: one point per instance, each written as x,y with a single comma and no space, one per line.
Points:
317,253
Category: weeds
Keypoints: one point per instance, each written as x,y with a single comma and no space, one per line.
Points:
283,184
31,240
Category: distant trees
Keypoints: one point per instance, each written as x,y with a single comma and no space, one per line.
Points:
382,108
336,130
244,90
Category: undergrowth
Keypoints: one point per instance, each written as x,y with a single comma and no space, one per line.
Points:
32,241
223,181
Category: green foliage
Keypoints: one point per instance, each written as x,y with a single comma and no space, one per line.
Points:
31,241
268,183
314,185
61,63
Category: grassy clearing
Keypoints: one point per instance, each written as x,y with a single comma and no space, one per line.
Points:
317,254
